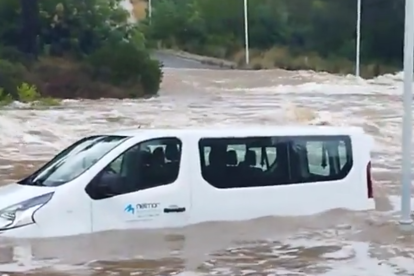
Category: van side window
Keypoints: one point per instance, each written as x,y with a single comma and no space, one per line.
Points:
146,165
269,161
319,159
244,162
344,155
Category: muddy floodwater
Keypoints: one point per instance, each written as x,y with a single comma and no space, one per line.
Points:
335,243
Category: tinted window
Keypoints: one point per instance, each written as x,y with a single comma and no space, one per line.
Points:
146,165
74,160
268,161
318,159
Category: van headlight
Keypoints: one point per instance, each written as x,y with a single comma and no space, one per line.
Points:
21,214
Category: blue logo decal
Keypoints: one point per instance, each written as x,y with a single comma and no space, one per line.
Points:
130,209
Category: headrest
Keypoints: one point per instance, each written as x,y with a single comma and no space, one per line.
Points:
231,158
216,156
250,158
132,158
158,154
135,159
172,153
145,157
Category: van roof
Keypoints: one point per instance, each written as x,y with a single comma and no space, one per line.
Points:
243,131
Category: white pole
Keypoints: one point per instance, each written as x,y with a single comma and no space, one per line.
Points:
407,132
246,33
358,39
150,9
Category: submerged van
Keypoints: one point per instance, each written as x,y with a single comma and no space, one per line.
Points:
149,178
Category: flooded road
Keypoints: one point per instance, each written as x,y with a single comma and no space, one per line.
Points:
337,243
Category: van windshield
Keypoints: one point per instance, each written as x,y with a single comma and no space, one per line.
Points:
74,160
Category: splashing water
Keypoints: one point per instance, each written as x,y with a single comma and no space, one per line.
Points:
337,242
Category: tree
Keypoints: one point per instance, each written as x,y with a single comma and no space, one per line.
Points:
317,28
85,49
30,26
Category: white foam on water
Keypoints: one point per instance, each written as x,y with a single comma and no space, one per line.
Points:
269,106
353,258
360,263
395,201
240,98
41,265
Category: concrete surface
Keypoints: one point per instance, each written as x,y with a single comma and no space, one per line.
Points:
171,59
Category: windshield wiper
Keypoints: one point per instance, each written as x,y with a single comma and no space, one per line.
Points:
32,181
36,182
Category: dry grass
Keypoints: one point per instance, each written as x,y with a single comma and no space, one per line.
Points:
281,57
277,57
67,79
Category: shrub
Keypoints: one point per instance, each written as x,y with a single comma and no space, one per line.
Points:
125,65
151,78
14,55
5,98
11,75
85,49
27,93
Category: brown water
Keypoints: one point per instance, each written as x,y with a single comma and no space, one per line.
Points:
336,243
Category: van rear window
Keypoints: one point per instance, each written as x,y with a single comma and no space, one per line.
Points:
267,161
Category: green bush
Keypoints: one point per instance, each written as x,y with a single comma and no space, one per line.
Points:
14,55
5,98
323,27
27,93
152,77
71,34
125,65
11,75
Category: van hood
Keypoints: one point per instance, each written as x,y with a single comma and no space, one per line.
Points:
15,193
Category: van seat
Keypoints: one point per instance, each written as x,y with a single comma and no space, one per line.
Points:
248,168
172,153
172,166
158,157
231,158
157,169
215,171
232,174
250,158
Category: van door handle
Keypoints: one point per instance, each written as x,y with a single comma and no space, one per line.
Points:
174,210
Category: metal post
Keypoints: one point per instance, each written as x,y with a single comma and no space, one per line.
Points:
246,33
407,132
358,39
150,9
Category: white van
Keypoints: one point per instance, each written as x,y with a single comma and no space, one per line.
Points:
149,178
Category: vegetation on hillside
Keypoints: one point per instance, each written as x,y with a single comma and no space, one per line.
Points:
290,34
72,49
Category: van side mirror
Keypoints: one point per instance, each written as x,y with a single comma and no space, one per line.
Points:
103,185
97,179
